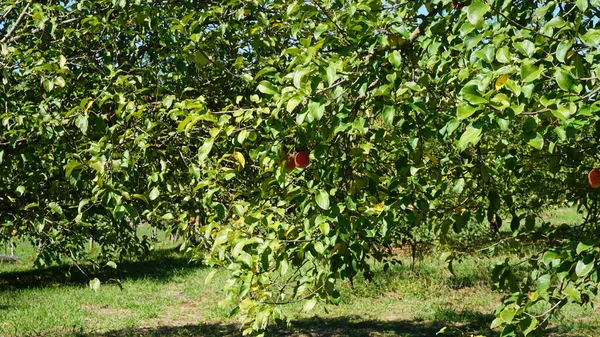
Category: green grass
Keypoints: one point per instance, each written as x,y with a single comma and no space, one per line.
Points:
165,295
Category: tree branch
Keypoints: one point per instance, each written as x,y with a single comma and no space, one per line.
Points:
14,27
337,27
516,24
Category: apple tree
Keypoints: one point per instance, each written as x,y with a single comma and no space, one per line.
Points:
420,117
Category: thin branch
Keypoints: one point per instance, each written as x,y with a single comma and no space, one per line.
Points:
296,300
7,12
516,24
529,113
222,67
14,27
591,93
547,311
421,28
296,241
331,86
337,27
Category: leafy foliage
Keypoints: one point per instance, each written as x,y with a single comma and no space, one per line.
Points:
417,115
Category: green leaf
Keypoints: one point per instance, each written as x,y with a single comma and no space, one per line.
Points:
154,193
95,284
200,58
561,112
573,294
20,190
537,142
118,212
543,282
564,79
293,103
530,72
548,257
395,59
111,264
245,258
388,113
582,247
465,110
526,47
205,150
55,208
508,315
268,88
167,101
316,110
509,331
470,136
322,199
486,53
459,185
471,94
241,138
496,323
309,305
562,49
582,4
503,55
298,76
325,228
71,166
584,267
528,325
210,276
48,85
82,123
59,81
476,10
331,74
591,38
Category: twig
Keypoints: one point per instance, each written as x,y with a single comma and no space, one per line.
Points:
421,28
495,244
14,27
296,241
297,300
528,113
331,86
222,67
7,12
591,93
547,311
337,27
515,23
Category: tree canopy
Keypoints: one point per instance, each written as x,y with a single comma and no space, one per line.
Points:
416,114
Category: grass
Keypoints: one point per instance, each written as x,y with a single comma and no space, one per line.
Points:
165,295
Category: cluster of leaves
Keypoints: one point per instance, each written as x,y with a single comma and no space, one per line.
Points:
420,116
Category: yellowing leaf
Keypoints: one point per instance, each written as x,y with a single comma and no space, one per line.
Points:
378,207
240,158
432,158
501,81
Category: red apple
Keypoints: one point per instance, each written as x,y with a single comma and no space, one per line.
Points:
594,178
301,159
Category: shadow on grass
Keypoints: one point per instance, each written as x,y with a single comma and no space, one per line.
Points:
160,265
461,324
352,326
